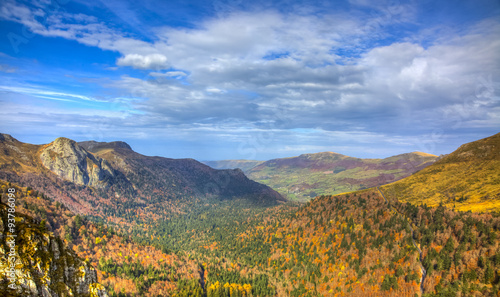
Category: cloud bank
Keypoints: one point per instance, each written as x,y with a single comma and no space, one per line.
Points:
297,73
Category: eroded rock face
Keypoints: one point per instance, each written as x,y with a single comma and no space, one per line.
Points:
44,266
72,162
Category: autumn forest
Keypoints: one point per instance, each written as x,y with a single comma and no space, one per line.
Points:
158,232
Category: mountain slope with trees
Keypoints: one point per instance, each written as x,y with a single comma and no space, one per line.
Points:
119,179
467,179
36,262
351,244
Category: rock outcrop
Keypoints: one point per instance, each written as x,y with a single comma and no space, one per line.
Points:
72,162
43,265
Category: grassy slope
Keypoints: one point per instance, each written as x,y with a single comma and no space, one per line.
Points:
467,179
306,176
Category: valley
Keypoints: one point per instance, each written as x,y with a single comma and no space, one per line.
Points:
151,226
228,148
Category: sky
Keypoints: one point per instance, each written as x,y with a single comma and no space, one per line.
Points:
234,79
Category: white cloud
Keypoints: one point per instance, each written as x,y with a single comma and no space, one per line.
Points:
215,90
153,61
168,74
48,94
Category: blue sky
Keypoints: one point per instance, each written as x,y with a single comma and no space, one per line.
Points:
232,79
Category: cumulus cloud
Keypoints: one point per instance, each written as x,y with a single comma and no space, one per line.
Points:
168,74
153,61
395,85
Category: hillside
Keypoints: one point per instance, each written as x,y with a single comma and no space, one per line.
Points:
357,244
82,176
171,243
129,214
309,175
467,179
156,257
346,245
111,259
44,265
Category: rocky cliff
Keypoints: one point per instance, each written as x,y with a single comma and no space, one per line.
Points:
43,266
72,162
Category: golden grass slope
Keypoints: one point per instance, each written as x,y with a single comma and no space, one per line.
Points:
467,179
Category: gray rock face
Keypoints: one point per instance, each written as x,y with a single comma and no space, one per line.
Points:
44,266
7,138
72,162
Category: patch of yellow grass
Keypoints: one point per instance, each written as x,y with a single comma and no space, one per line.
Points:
469,185
424,154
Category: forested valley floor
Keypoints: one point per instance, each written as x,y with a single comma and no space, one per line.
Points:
352,244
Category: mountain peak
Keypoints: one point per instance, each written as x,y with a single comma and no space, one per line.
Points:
323,154
7,138
67,159
63,141
412,155
422,154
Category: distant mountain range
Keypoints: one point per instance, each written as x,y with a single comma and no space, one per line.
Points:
84,175
467,179
309,175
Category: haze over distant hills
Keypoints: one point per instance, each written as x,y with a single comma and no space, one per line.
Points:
326,173
244,165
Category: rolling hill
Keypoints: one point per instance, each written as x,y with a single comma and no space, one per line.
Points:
309,175
467,179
